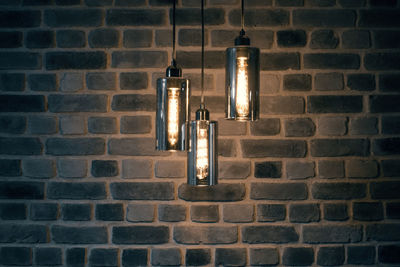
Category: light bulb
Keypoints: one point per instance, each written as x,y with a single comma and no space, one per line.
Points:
202,153
173,115
242,90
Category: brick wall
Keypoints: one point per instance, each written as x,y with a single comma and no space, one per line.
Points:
314,182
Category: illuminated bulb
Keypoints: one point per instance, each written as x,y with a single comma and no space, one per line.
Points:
202,154
173,115
242,92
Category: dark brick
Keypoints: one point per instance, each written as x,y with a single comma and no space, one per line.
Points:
166,257
352,3
361,255
362,169
135,17
76,60
220,192
192,16
282,105
67,2
102,125
205,234
20,60
393,210
332,234
386,146
190,60
231,127
79,234
335,212
339,147
103,38
291,38
75,146
19,18
42,82
203,213
138,38
143,191
77,103
384,103
262,127
44,211
332,125
361,82
268,169
384,3
230,256
70,39
103,257
12,82
273,148
48,256
269,234
238,213
320,3
331,61
133,147
215,104
328,81
20,146
264,256
259,38
129,2
338,190
109,212
260,17
391,168
22,103
10,39
134,257
171,213
198,257
76,212
136,124
104,168
75,257
39,39
226,148
140,213
330,256
271,212
279,61
37,2
23,233
231,169
367,211
133,81
324,39
191,37
356,39
363,125
389,254
389,82
383,232
298,256
382,61
16,256
140,235
10,167
330,169
297,82
133,102
300,170
21,190
273,191
287,3
73,17
324,18
299,127
86,190
12,211
385,190
304,213
387,39
379,18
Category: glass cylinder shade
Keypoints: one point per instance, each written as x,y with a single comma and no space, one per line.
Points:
173,114
242,85
202,155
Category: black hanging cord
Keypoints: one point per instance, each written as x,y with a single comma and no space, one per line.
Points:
173,35
202,105
242,18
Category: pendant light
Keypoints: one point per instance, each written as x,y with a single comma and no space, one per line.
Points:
202,155
242,77
173,108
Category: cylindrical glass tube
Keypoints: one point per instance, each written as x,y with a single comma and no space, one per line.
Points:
173,114
242,75
202,156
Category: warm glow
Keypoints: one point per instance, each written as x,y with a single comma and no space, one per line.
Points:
202,153
242,92
173,115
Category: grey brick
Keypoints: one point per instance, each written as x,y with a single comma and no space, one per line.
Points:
133,147
338,190
264,256
86,190
42,82
76,60
300,170
279,61
265,127
75,257
191,37
11,18
140,213
282,105
20,146
21,190
332,234
385,190
192,16
42,125
10,167
260,17
23,233
39,168
133,80
75,146
138,38
12,82
324,39
233,169
297,82
291,38
16,256
198,257
171,213
140,234
104,257
241,213
331,256
76,212
143,191
221,192
328,169
299,127
129,3
225,38
268,169
304,213
101,81
133,102
72,168
134,257
230,256
230,127
361,82
79,234
362,168
139,59
73,17
74,124
166,257
363,125
71,82
102,125
67,2
328,81
331,61
324,18
271,212
136,168
367,211
205,234
190,60
287,3
273,191
356,39
383,232
361,255
103,38
39,39
273,148
104,168
204,213
226,148
20,60
70,39
298,256
12,211
339,147
163,38
77,103
109,212
335,212
320,3
135,124
48,256
332,125
269,234
169,169
386,146
22,103
135,17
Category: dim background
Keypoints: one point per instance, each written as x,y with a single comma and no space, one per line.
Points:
314,182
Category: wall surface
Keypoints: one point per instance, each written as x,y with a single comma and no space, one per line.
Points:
314,182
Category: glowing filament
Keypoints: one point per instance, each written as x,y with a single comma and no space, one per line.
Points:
202,153
242,89
173,115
